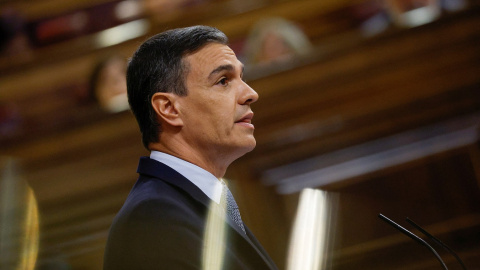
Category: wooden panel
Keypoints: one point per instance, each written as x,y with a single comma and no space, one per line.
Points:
376,91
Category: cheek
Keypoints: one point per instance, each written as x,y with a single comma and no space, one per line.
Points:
216,113
222,119
222,107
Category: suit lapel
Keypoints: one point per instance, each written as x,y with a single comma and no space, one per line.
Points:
159,170
258,247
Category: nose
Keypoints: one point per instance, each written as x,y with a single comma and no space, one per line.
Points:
248,96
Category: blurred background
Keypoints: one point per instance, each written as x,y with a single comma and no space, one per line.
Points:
365,107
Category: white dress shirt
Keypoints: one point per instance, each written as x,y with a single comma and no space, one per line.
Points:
205,181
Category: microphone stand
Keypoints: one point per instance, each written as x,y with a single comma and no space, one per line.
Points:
414,237
436,240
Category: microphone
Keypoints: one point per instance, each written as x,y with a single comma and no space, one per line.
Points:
436,240
414,237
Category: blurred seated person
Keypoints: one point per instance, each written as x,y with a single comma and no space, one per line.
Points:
275,40
14,40
108,84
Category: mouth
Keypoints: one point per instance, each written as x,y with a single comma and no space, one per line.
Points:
246,120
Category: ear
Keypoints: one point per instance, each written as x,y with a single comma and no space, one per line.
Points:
164,105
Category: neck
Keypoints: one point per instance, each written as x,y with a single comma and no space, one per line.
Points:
215,165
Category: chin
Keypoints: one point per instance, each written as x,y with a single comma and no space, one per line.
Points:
242,149
250,146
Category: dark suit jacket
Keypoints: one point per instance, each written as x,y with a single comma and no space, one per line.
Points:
161,226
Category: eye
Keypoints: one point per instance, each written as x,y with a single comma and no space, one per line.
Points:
223,81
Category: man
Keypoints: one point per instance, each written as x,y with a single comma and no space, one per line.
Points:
186,90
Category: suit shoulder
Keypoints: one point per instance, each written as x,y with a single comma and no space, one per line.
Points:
156,223
155,200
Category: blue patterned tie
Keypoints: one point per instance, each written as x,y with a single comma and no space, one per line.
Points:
232,207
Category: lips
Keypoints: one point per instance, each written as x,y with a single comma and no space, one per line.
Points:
246,120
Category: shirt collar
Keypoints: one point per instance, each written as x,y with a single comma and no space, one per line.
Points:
205,181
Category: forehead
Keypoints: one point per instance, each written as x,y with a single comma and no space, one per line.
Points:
210,57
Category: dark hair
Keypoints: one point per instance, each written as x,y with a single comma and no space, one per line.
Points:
158,66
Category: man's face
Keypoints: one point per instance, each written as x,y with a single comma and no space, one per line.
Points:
216,111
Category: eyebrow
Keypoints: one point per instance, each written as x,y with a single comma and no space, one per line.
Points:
222,68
